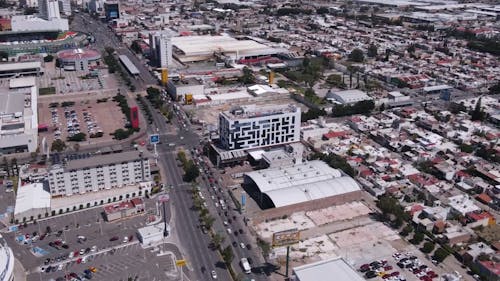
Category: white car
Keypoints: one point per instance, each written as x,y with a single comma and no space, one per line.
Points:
93,249
125,239
229,231
225,223
82,251
214,274
242,245
60,267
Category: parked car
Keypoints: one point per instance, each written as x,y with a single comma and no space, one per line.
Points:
114,238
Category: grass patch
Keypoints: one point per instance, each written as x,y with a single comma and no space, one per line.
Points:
47,91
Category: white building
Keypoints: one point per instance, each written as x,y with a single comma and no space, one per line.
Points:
32,23
338,268
48,9
96,6
161,44
6,261
252,126
19,117
29,3
152,234
65,7
179,88
49,19
32,201
99,173
347,96
289,185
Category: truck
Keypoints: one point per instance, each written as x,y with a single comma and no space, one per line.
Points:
246,266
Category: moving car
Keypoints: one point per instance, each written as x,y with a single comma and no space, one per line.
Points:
214,274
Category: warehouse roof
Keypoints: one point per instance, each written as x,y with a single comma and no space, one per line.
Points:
31,196
337,267
303,182
19,65
348,96
207,45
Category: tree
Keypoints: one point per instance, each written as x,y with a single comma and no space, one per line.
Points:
58,145
78,137
357,55
30,11
191,172
136,47
411,49
477,114
418,237
4,55
440,254
428,247
217,239
121,134
208,221
382,107
48,58
248,77
372,51
467,148
227,255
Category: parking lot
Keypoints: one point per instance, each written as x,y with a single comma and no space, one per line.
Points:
64,233
399,267
95,119
124,261
67,82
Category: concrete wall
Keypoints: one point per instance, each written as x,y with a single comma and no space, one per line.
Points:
276,213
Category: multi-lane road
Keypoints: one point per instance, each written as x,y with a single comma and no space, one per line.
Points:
104,37
179,132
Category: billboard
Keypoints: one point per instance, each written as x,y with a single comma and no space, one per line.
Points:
164,76
286,237
154,139
134,117
189,98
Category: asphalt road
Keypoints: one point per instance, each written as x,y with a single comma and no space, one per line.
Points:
179,133
104,37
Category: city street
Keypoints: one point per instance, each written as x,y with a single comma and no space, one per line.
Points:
104,37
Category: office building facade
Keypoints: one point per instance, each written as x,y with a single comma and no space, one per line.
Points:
111,11
161,44
251,126
99,173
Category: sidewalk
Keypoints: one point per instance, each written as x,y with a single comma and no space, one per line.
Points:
19,271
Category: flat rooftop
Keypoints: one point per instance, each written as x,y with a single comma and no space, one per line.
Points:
207,45
129,65
103,160
20,66
337,267
252,111
11,103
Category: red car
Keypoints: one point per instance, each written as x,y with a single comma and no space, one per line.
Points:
114,238
387,268
385,276
364,267
395,273
76,253
425,278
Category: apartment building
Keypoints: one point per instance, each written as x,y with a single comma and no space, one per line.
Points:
99,173
258,126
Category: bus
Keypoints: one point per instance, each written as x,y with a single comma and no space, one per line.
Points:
246,266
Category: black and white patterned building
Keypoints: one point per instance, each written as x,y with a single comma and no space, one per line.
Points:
258,126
